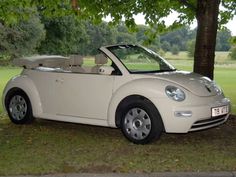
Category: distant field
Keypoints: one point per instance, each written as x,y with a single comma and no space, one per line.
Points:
183,55
220,57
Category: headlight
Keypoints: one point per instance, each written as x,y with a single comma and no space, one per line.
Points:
211,85
216,88
175,93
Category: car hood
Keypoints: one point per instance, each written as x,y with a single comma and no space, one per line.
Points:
195,83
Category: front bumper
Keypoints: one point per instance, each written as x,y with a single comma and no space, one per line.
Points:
200,118
209,123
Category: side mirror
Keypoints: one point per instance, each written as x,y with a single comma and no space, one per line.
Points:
105,70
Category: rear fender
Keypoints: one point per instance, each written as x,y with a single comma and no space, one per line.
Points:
24,83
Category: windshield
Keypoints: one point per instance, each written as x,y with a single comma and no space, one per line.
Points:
140,60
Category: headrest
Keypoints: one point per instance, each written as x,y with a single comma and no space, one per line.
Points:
100,59
76,60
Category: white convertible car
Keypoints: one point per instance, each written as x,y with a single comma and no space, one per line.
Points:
125,86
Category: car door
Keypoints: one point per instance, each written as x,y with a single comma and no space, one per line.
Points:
82,95
44,80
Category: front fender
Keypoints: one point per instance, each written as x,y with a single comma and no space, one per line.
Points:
147,87
24,83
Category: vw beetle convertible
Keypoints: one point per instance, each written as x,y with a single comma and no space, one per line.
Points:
124,86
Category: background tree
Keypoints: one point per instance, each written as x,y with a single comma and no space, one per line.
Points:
125,38
65,35
99,35
232,53
165,46
123,35
191,47
223,40
179,37
140,34
21,38
175,50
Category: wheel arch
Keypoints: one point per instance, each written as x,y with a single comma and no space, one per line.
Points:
140,88
27,86
11,92
124,102
116,120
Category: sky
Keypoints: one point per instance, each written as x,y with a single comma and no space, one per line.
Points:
231,25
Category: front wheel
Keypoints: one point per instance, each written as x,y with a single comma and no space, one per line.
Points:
141,122
19,107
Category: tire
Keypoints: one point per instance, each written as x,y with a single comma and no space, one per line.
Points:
141,122
18,107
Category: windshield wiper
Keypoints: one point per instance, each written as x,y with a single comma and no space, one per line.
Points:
153,71
167,70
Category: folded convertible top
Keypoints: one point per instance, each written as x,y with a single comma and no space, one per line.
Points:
41,60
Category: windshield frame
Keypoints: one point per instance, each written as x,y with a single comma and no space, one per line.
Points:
150,52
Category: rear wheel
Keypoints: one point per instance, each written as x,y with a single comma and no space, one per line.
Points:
19,107
141,122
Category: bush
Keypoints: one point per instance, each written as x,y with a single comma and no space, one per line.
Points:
5,60
232,53
165,46
161,52
155,48
175,50
191,48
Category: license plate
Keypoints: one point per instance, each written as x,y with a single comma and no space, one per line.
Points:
218,111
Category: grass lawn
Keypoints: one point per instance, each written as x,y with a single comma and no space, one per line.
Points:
46,147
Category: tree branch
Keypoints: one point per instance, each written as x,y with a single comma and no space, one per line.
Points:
74,4
188,4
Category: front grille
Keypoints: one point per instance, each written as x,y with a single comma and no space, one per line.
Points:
208,123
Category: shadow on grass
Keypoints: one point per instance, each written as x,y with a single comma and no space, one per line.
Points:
46,147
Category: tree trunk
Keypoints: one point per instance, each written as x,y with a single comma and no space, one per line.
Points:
207,19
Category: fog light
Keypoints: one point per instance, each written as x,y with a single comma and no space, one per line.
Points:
183,113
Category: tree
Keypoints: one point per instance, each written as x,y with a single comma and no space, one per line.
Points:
178,37
99,35
191,47
140,34
125,38
21,38
65,35
123,35
232,53
165,46
223,40
175,50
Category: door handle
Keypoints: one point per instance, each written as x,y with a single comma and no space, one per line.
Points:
60,80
